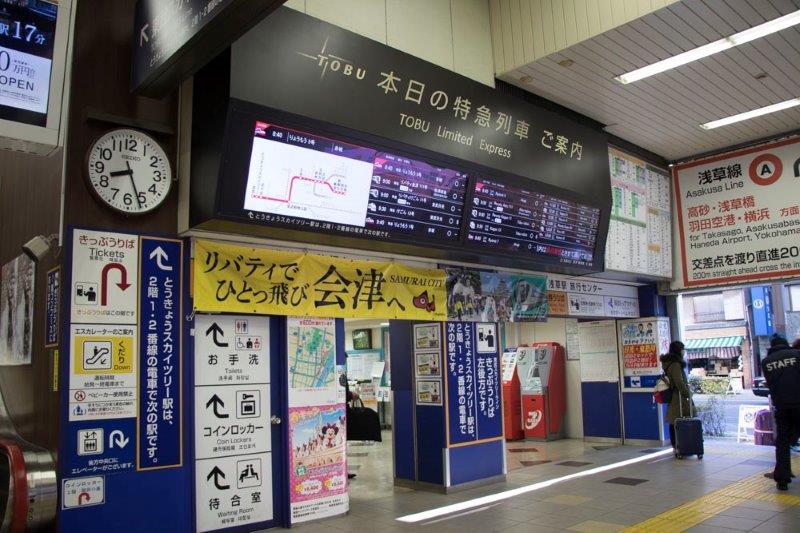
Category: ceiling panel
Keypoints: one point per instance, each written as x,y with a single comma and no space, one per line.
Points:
663,113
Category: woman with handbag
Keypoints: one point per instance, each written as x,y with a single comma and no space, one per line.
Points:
674,366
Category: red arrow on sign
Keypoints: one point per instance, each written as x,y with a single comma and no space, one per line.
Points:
123,281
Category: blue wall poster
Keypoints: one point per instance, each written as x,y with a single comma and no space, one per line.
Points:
159,431
472,360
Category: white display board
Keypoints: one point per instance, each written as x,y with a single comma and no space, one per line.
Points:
598,342
640,229
573,339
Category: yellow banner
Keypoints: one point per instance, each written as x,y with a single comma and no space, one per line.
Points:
239,279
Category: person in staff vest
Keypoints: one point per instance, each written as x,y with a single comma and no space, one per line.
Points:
781,369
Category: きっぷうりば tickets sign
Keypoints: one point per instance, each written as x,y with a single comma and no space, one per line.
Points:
240,279
739,215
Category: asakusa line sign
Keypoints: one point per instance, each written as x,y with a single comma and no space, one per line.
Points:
739,215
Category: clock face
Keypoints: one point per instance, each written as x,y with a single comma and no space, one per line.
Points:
129,171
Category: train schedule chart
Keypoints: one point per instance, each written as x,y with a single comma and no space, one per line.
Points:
296,175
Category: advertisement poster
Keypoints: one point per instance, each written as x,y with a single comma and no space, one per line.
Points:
317,423
318,473
427,337
739,216
642,342
238,279
26,56
428,364
483,296
16,311
429,392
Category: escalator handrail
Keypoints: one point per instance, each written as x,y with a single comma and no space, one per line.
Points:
19,479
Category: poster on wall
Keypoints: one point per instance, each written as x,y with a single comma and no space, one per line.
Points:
317,421
427,337
642,341
483,296
16,311
472,363
739,216
428,364
429,392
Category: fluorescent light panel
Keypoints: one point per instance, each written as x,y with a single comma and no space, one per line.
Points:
736,39
751,114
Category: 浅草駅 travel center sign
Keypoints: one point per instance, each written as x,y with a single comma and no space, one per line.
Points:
334,75
739,216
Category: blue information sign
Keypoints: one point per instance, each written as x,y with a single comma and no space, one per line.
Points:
473,382
762,311
159,431
52,305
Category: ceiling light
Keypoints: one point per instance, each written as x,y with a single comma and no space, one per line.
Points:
566,63
751,114
384,324
762,30
706,50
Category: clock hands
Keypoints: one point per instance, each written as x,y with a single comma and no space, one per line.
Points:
121,173
129,172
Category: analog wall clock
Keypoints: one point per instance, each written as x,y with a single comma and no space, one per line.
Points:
128,171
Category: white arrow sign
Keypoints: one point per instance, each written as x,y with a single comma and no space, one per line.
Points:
117,437
160,256
143,38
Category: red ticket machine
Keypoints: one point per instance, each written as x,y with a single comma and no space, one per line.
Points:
542,375
512,398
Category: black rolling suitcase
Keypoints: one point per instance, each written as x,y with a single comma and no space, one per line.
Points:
363,423
688,435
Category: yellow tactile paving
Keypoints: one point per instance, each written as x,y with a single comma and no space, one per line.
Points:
692,513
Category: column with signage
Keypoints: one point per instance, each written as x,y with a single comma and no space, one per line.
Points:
122,374
641,342
473,405
452,433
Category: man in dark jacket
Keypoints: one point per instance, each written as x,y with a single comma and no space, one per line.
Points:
781,368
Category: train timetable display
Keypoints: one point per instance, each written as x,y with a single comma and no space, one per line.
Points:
514,219
310,181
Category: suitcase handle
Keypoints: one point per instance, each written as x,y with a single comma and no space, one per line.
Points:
680,404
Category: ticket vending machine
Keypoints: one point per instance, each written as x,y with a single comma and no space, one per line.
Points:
541,370
512,399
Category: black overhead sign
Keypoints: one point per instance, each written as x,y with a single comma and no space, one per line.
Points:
296,63
174,38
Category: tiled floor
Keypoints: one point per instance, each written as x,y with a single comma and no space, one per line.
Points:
726,491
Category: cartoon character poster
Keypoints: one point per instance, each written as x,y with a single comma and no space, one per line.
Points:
318,469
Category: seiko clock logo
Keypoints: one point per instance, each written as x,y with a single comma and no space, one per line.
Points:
328,62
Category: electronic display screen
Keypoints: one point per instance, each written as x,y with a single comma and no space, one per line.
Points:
512,219
309,181
27,37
